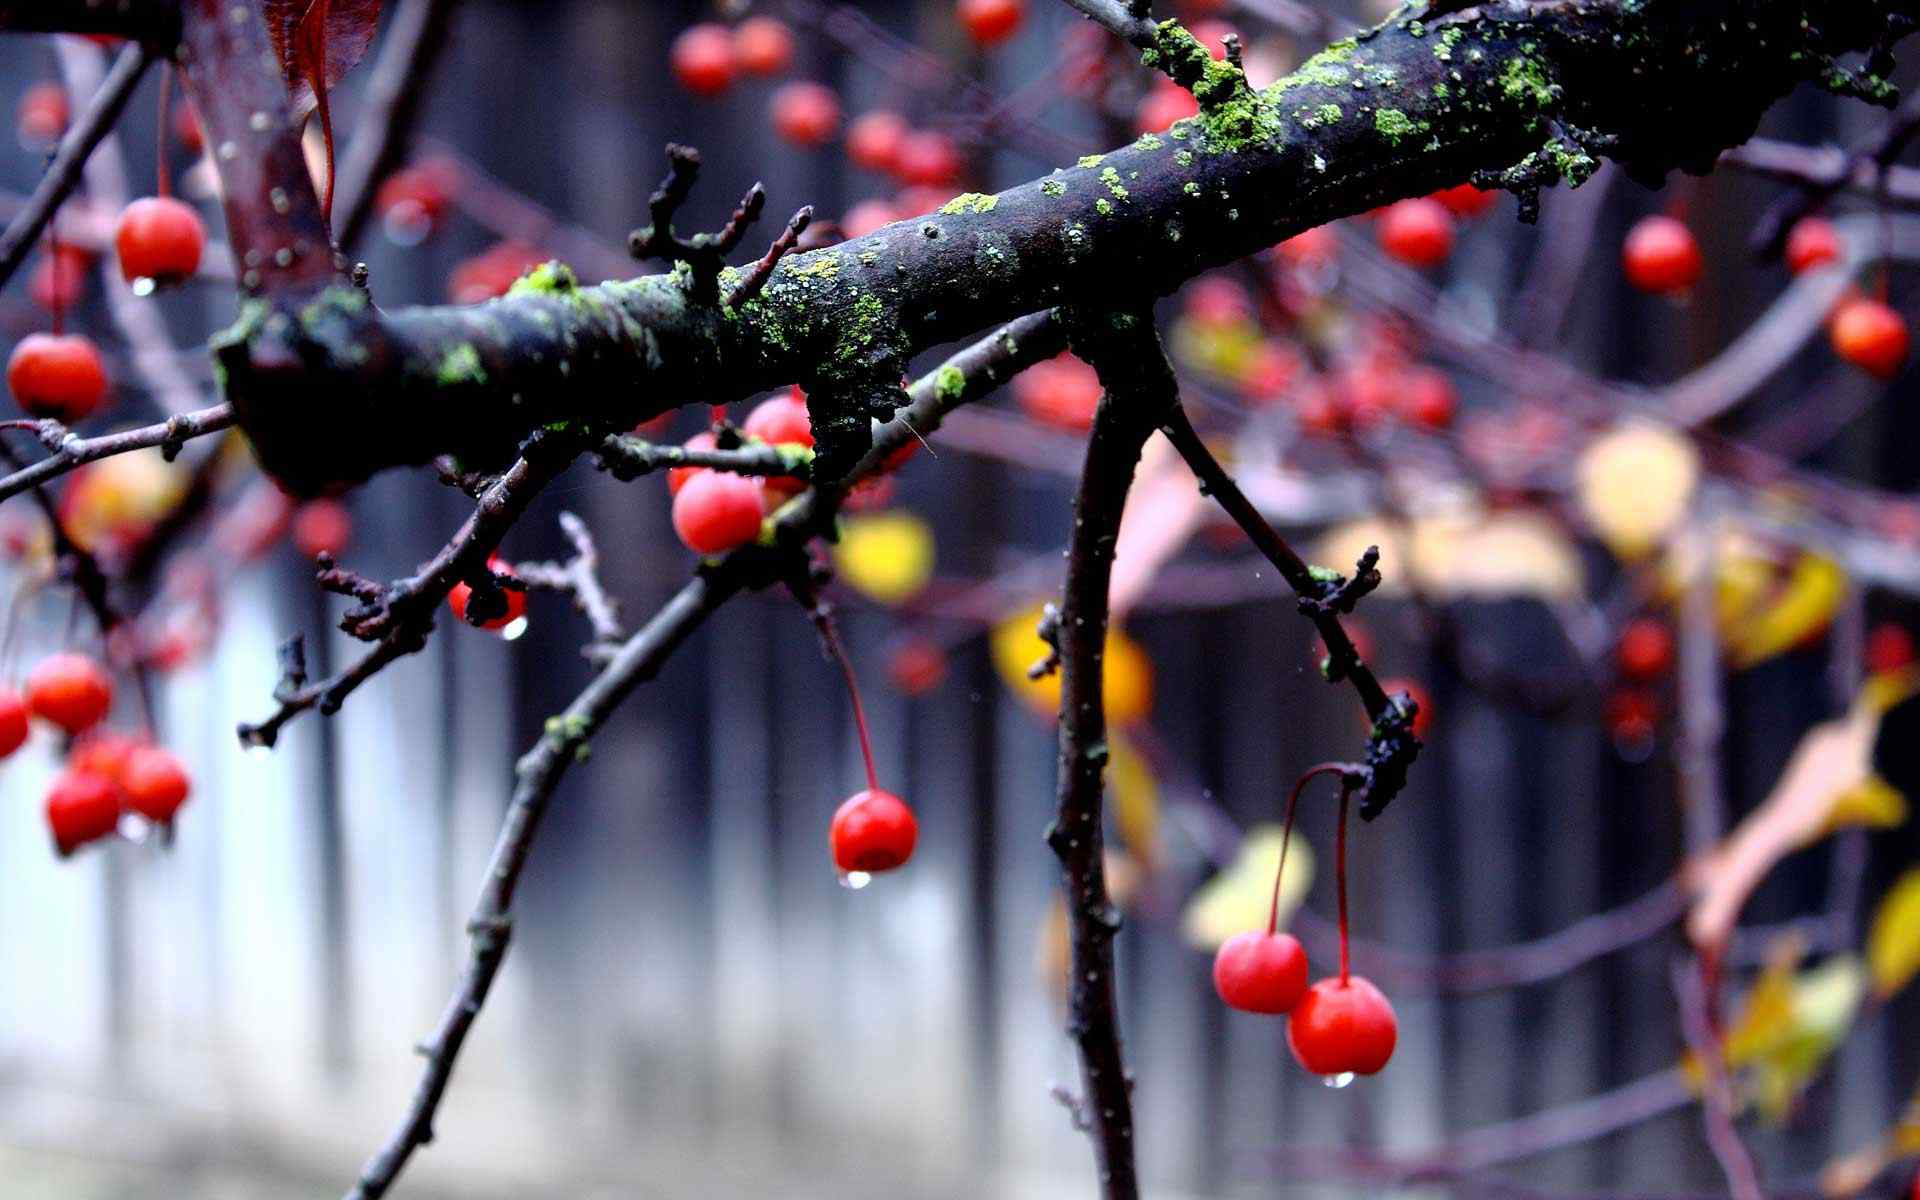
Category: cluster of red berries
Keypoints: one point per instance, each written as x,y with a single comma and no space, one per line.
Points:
1337,1028
107,773
1643,657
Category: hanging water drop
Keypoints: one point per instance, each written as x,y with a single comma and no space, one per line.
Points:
853,881
1337,1081
513,629
143,286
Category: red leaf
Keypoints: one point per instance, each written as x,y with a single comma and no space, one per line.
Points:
318,41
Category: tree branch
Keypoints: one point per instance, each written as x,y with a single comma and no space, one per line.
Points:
395,92
1137,383
63,173
1541,83
69,450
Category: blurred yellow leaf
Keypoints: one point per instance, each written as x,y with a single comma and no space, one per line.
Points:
1789,1023
1873,803
1893,942
1240,896
887,556
1798,609
1634,485
1135,794
1128,676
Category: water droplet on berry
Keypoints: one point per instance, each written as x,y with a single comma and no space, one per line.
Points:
258,751
513,629
853,881
143,286
1339,1080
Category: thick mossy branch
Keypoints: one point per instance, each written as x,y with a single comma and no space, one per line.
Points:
1523,93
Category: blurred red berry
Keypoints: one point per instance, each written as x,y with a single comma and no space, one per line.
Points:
990,22
763,46
57,375
1427,398
1813,242
717,511
928,158
874,140
1062,392
1645,650
1418,232
702,59
677,476
1889,648
13,721
1661,256
69,690
1466,201
806,114
916,666
1870,335
1165,103
155,783
81,808
322,527
43,114
60,278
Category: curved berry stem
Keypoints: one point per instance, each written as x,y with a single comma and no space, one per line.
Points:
1286,834
823,621
163,187
54,273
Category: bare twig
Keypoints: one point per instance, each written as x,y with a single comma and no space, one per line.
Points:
762,270
1127,20
71,450
1692,986
626,457
579,577
704,253
1873,156
1825,167
63,173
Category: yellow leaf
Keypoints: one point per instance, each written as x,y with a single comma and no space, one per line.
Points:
1136,801
1128,676
1893,942
1240,897
1464,553
1799,609
1873,803
1789,1023
1635,484
887,556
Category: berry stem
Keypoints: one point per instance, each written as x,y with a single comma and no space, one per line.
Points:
823,621
55,274
1340,877
162,188
1286,834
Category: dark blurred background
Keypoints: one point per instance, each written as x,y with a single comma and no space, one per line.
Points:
693,1007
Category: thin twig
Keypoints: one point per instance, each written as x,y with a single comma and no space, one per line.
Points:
70,450
1125,19
63,173
762,270
1692,986
579,578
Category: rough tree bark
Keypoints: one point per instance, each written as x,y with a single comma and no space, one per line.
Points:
1517,92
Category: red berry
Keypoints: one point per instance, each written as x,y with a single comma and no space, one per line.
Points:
514,607
717,511
1214,300
928,158
873,831
1813,242
60,278
159,238
102,752
413,201
1427,397
56,375
1661,256
1343,1027
155,783
43,114
1466,201
322,527
1062,392
1418,232
763,46
1632,715
678,476
13,721
867,216
702,59
1645,650
81,807
990,22
917,666
874,140
1423,704
1165,104
806,114
1870,335
1316,247
780,420
1889,648
1261,972
69,690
